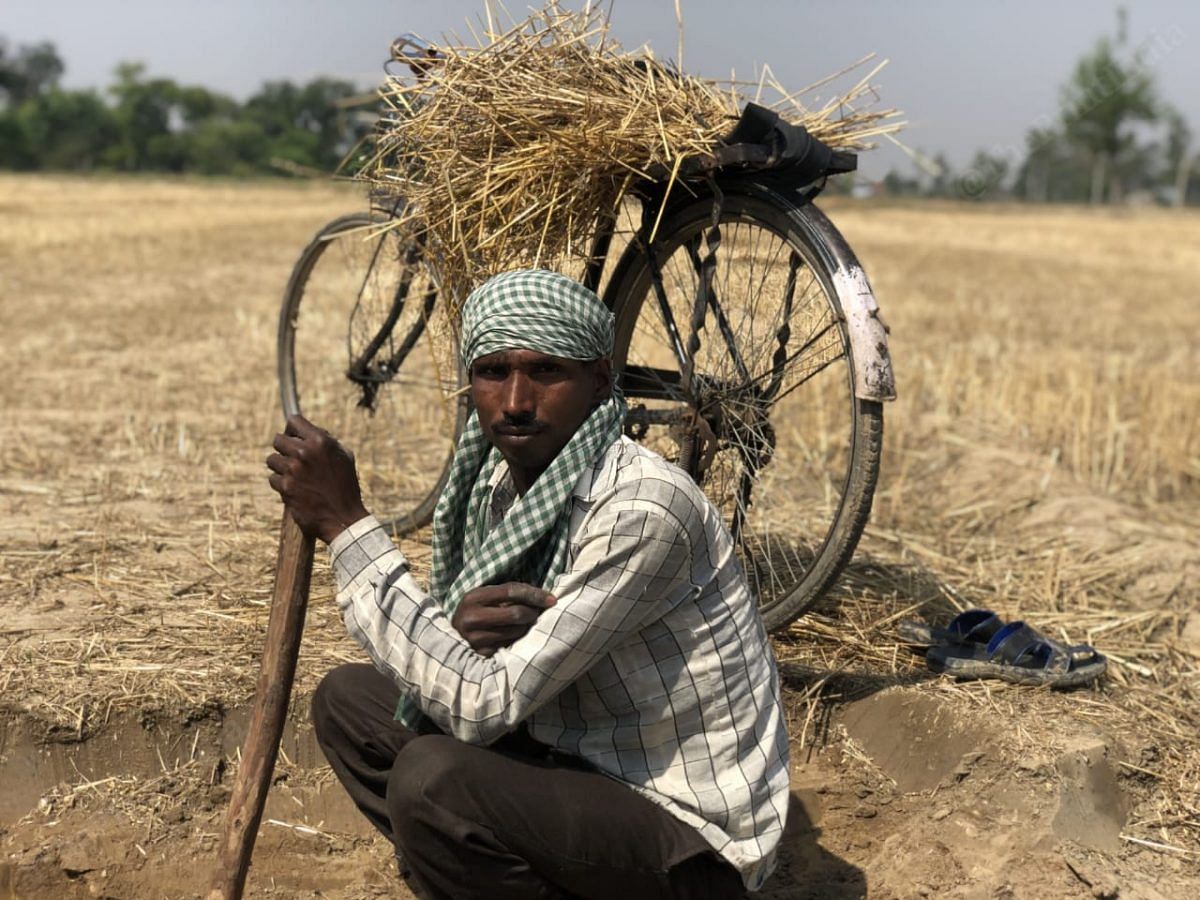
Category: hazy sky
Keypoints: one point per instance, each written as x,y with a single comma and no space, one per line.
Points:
967,74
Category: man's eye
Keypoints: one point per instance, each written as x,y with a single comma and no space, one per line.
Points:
490,372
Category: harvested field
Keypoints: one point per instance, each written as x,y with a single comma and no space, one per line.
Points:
1043,460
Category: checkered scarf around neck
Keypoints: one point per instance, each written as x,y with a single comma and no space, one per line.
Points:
548,313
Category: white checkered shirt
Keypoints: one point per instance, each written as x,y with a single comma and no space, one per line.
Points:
653,665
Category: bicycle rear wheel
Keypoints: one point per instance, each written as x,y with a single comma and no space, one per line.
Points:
781,444
365,351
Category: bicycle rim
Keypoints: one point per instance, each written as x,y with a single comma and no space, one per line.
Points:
791,456
358,300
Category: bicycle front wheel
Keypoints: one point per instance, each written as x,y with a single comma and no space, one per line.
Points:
767,420
365,351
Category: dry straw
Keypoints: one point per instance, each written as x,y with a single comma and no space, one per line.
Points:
508,152
134,578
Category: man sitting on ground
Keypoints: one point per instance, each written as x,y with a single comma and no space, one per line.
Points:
584,703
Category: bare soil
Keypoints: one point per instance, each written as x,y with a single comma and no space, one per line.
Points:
137,539
914,797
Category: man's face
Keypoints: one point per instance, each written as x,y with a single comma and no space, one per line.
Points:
529,404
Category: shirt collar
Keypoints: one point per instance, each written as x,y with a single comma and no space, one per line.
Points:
592,480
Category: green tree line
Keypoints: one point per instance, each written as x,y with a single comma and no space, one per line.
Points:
1112,139
145,124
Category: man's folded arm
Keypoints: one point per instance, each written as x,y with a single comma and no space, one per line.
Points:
632,566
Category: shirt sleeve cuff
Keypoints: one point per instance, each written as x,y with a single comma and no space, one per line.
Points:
363,543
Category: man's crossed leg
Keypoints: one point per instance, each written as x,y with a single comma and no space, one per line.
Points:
512,820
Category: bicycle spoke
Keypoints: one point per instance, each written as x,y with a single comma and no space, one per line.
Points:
812,374
722,321
399,297
664,310
779,360
789,360
782,423
368,274
371,361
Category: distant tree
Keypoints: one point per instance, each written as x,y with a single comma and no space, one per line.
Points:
1181,159
14,150
147,110
940,177
1034,175
896,184
219,146
156,124
71,130
1109,90
196,104
9,75
30,70
985,176
26,72
309,125
325,101
1054,170
275,106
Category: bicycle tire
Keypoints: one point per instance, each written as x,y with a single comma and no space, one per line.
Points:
342,290
640,335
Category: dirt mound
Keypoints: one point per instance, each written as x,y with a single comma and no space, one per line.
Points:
926,798
910,794
138,814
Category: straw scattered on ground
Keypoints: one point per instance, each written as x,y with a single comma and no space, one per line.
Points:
1041,460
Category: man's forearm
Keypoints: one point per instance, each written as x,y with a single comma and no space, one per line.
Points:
644,555
407,635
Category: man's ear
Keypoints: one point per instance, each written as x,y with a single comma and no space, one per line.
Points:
602,370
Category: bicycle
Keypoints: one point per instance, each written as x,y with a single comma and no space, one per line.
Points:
748,344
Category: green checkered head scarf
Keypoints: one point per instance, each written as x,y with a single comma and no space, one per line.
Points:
548,313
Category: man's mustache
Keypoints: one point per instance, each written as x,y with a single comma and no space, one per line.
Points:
519,424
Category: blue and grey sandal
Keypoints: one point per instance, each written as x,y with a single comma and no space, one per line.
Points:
974,625
978,626
1018,654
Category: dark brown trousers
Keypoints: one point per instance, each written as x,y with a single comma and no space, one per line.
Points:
513,820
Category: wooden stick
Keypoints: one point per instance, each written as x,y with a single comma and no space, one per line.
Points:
293,569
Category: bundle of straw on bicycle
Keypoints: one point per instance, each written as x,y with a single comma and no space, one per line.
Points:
510,151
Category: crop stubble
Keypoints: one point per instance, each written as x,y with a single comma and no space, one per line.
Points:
1043,459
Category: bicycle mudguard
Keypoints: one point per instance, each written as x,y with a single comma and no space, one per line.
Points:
865,327
873,376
